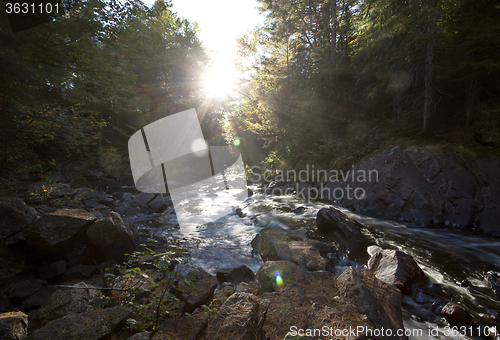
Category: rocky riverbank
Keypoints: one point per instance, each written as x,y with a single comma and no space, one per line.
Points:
59,251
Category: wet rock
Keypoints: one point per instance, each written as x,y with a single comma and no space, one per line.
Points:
75,326
455,314
235,275
494,280
23,290
332,220
64,302
379,301
79,272
13,326
203,285
15,215
397,268
182,327
158,204
52,270
241,317
59,231
113,236
268,274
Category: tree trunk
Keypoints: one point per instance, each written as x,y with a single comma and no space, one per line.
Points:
333,37
429,69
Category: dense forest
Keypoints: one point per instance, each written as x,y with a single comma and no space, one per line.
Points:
331,78
320,79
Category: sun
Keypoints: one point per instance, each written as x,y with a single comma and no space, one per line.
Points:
218,79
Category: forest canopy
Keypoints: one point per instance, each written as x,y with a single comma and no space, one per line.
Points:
326,74
320,79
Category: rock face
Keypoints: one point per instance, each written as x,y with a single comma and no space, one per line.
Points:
113,236
14,216
424,186
240,317
203,285
13,326
59,231
376,299
396,268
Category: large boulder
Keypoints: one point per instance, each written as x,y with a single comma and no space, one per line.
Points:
276,275
379,301
64,302
113,237
331,220
240,317
235,275
23,290
85,326
202,287
15,215
290,245
182,327
13,326
455,314
396,268
59,231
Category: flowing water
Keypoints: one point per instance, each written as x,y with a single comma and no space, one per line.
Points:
455,262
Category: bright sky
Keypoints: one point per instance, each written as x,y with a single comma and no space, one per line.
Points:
220,23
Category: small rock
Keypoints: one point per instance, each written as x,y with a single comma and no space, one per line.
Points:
235,275
456,315
140,336
52,270
204,286
15,215
158,205
13,326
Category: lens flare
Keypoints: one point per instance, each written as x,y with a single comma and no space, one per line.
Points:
237,141
279,281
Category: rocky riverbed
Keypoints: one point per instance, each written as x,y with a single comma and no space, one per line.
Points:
62,244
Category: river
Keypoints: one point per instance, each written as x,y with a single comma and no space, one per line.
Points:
456,262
